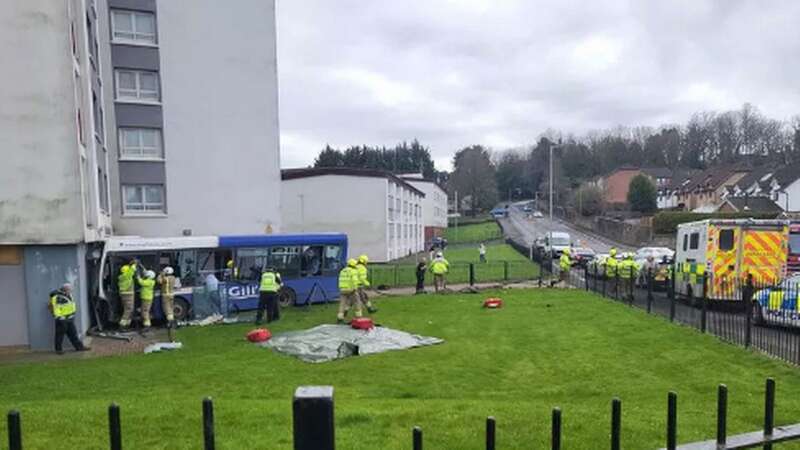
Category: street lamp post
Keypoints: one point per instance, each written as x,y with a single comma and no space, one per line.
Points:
551,182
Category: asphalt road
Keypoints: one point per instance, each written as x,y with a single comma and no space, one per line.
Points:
530,229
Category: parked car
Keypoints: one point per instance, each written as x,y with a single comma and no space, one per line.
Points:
537,214
438,243
581,256
658,253
778,304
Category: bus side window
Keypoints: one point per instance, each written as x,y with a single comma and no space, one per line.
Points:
311,261
685,242
332,261
286,260
250,262
726,240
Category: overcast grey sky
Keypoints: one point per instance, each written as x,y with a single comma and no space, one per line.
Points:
500,72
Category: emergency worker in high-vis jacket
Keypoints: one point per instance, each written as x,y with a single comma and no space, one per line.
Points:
439,266
268,288
564,265
63,308
125,287
363,283
166,281
348,290
147,287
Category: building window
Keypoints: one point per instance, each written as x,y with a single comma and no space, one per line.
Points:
143,199
140,143
137,85
133,27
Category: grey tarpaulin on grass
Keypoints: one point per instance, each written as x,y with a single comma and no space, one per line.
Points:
328,342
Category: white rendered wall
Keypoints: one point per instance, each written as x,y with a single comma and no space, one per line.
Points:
220,102
352,205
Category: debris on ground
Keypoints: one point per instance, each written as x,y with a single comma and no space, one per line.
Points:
159,346
330,342
210,320
121,336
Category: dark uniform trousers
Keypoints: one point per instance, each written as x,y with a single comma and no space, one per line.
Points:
268,301
66,327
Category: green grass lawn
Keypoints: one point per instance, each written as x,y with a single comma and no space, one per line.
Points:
478,232
545,348
503,264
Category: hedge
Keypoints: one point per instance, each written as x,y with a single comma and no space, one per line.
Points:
666,222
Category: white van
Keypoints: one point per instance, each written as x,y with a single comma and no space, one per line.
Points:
555,242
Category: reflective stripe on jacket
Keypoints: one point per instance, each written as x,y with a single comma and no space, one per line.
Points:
125,279
147,284
363,279
348,280
270,282
167,283
62,305
564,262
611,266
440,266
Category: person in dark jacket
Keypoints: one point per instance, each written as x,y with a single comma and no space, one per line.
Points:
422,266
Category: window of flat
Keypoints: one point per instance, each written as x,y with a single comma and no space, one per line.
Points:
133,27
694,241
143,199
140,143
137,85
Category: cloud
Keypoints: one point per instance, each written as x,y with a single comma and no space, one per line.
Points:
453,73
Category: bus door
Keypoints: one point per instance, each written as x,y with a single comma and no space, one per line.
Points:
723,250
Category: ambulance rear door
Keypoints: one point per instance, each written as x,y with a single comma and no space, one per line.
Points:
724,246
764,249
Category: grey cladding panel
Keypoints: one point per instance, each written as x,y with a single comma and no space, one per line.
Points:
142,172
134,57
132,115
139,5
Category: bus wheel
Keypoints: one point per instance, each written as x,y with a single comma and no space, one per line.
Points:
180,308
287,297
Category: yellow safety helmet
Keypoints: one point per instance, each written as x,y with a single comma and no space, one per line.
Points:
363,259
352,262
229,264
566,251
613,252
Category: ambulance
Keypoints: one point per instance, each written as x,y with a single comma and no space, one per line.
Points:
724,251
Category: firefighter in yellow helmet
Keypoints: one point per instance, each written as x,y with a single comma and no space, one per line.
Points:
564,265
363,283
348,290
628,270
146,287
612,264
126,293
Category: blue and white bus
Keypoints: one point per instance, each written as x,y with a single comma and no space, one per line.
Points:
309,265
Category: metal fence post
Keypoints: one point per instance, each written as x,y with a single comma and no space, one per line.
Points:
416,437
722,415
471,274
313,418
747,298
505,270
672,294
586,276
208,424
14,431
649,289
490,433
556,430
672,421
704,312
605,276
616,284
114,427
769,410
631,281
616,423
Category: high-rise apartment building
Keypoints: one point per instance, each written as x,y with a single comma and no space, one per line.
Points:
135,117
